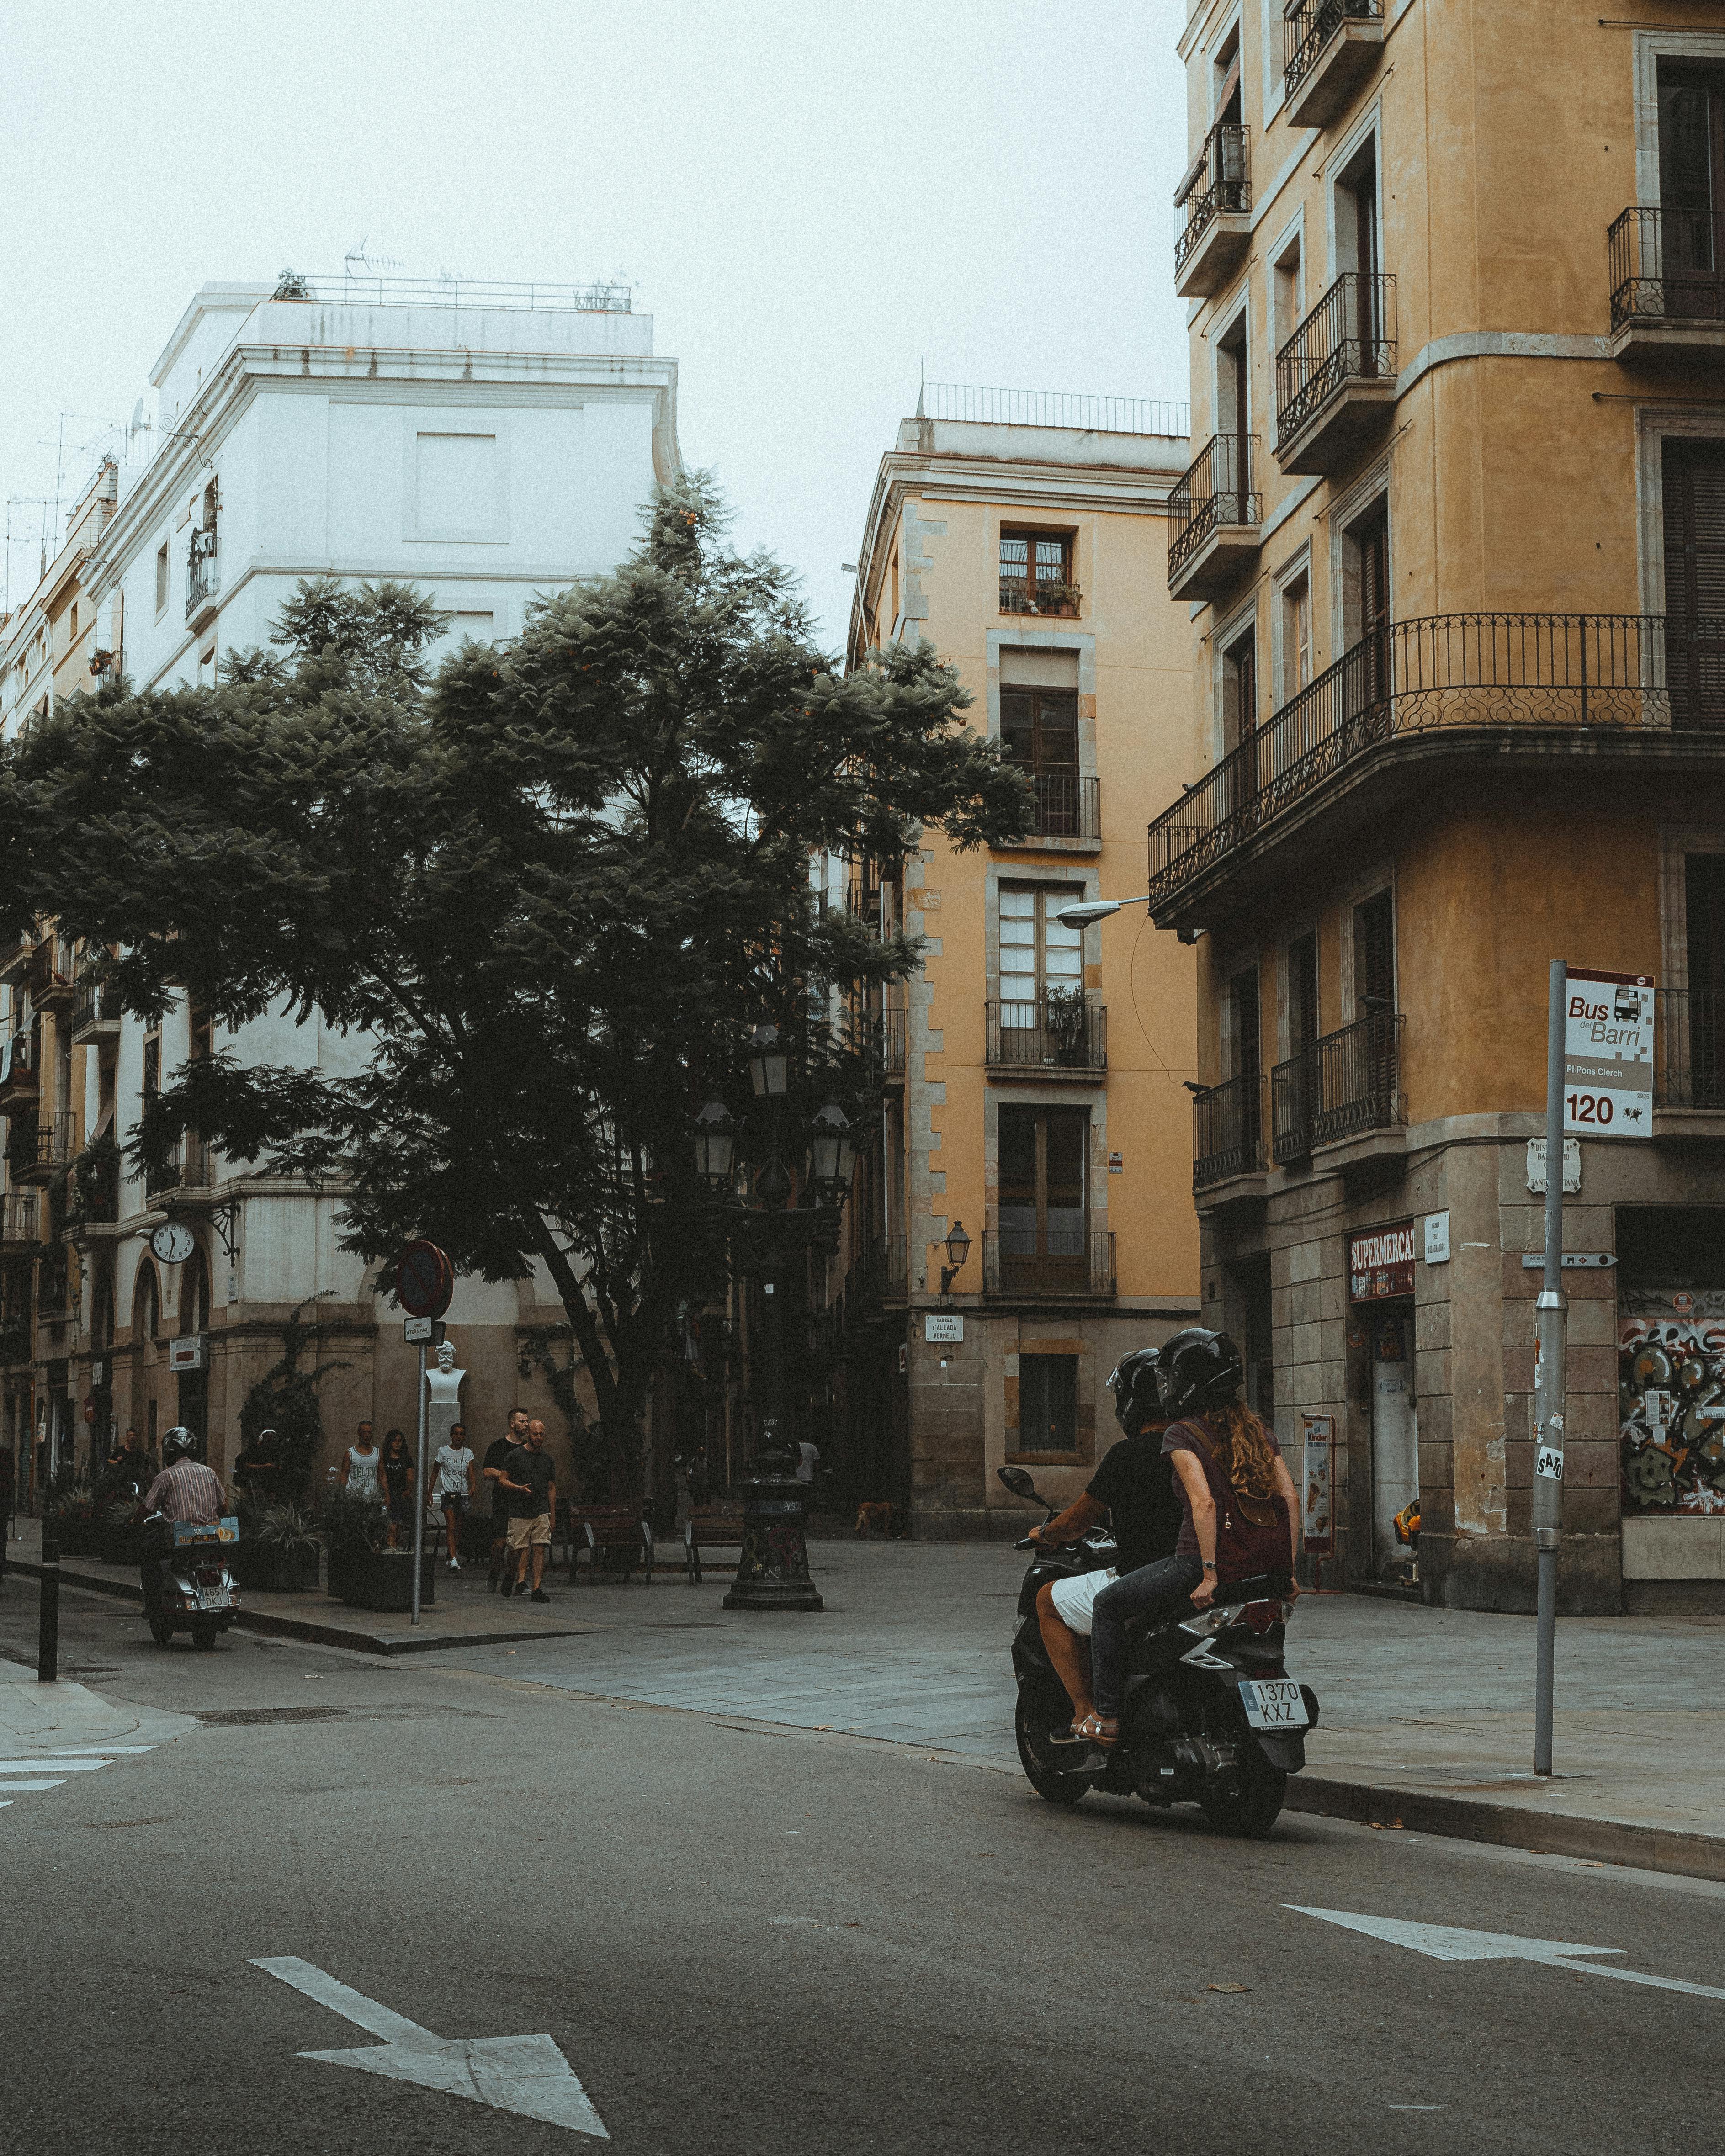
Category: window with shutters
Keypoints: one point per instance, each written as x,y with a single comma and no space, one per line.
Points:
1043,1017
1693,481
1047,1406
1039,731
1044,1188
1036,573
1691,184
1704,1018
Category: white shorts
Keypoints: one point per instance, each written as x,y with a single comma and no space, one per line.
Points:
1074,1598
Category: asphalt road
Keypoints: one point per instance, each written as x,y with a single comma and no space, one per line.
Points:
754,1939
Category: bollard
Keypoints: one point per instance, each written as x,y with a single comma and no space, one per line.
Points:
48,1628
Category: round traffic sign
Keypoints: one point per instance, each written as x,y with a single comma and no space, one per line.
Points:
424,1280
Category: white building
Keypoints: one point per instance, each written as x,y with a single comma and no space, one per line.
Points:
489,445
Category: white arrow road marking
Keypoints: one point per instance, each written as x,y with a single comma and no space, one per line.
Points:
527,2075
21,1787
1448,1943
53,1762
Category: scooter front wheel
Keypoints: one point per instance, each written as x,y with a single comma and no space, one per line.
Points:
1046,1770
204,1633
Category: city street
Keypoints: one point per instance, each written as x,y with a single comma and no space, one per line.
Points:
744,1935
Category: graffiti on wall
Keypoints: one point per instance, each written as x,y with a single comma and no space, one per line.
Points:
1671,1387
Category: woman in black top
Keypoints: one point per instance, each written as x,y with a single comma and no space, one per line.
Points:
395,1472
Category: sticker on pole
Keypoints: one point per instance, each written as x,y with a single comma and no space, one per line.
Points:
1608,1054
1548,1461
424,1280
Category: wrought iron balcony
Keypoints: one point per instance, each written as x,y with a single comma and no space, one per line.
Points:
1479,671
1341,1087
1217,195
55,1302
1215,516
1054,1035
1329,47
1227,1132
41,1148
1667,269
1335,377
203,578
96,1013
1046,595
185,1167
18,1069
1061,1261
889,1043
1064,805
1689,1066
19,1215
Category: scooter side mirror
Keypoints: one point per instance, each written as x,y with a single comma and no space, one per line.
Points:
1019,1481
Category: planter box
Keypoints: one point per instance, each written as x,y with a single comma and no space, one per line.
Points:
272,1568
380,1580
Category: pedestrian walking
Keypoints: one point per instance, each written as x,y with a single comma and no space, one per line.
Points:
359,1467
530,1477
396,1472
496,1462
453,1491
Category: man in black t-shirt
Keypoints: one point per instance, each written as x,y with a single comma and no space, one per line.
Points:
1134,1489
495,1467
532,1481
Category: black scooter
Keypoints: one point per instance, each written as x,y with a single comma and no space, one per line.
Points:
1210,1715
188,1586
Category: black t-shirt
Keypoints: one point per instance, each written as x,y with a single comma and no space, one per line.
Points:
536,1470
1138,1485
497,1456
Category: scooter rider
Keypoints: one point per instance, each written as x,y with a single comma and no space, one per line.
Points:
1134,1487
185,1490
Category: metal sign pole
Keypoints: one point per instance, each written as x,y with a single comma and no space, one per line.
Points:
1549,1384
420,1491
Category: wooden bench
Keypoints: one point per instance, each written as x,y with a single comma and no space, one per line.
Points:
621,1531
708,1529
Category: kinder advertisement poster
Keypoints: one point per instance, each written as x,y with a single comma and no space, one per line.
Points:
1670,1387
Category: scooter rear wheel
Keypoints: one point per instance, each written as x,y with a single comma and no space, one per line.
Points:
1046,1773
1252,1809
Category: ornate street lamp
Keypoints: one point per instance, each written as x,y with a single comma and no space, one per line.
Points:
832,1153
769,1065
957,1250
715,1146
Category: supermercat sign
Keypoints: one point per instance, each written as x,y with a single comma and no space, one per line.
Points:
1380,1263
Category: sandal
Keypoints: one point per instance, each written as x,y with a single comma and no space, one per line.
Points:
1094,1730
1069,1735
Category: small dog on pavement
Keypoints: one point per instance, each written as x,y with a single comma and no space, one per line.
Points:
875,1518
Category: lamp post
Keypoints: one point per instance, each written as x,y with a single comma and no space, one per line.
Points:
770,1241
957,1250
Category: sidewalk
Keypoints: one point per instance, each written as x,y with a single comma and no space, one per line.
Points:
1427,1714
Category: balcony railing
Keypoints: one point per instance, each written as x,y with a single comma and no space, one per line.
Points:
1347,1083
1350,336
1227,1130
890,1042
203,578
1017,1261
186,1167
1064,805
1667,265
1046,595
1309,25
54,1140
1219,184
19,1213
18,1062
95,1005
1053,1032
1689,1069
1214,491
1471,671
21,1145
862,902
53,1286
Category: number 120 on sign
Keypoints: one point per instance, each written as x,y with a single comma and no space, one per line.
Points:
1598,1109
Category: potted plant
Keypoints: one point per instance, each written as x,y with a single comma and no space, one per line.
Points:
118,1541
72,1507
364,1572
285,1550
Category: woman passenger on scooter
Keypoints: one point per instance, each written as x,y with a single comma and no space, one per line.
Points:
1222,1453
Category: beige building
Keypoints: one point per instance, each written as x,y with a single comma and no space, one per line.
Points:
1454,544
1035,1073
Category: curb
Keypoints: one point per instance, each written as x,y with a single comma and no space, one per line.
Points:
268,1624
1510,1826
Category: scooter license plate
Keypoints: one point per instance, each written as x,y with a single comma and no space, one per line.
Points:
212,1595
1273,1703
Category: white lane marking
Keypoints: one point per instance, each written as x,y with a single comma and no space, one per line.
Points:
21,1788
1450,1942
104,1751
51,1762
527,2075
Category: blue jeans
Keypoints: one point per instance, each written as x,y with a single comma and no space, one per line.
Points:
1151,1590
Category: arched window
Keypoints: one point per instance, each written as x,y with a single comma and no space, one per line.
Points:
145,1304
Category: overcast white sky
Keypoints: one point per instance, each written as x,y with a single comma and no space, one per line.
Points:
812,196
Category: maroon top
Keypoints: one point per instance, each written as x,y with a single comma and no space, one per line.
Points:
1178,1439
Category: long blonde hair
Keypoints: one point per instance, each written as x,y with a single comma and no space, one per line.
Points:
1243,1449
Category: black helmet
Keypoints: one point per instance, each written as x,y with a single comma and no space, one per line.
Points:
1199,1369
1136,1398
179,1444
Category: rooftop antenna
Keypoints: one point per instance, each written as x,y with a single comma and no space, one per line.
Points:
356,263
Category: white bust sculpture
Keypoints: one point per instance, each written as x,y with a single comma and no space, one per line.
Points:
443,1407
